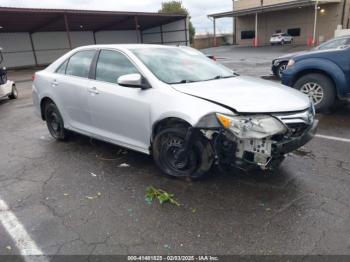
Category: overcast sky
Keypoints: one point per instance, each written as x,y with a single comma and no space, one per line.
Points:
198,9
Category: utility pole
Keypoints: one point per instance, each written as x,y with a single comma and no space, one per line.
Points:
234,27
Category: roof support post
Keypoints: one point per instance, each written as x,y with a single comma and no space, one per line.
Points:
161,34
256,30
137,28
214,29
67,31
33,49
315,24
187,31
94,36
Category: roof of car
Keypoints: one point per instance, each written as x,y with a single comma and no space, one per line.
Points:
125,46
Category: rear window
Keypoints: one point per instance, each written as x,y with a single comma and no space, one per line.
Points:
79,64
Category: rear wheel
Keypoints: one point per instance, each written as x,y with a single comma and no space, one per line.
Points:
194,164
319,88
14,93
54,122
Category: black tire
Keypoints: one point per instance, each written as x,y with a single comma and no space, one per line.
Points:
195,165
54,122
325,83
14,93
281,67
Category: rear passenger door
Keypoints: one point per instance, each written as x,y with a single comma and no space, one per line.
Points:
72,84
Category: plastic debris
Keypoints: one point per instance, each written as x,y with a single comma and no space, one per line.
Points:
92,174
124,165
94,197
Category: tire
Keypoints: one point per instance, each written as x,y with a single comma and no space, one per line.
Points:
54,122
14,93
319,88
281,67
197,162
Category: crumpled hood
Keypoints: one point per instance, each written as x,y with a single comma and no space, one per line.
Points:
248,95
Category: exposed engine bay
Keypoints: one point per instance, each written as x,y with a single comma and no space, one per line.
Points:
262,140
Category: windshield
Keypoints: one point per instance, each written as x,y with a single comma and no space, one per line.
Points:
181,65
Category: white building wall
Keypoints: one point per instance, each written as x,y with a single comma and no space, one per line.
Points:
175,33
17,50
48,46
117,37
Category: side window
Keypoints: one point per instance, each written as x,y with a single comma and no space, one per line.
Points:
333,44
79,63
111,65
62,68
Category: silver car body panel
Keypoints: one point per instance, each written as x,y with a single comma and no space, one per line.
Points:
6,88
127,116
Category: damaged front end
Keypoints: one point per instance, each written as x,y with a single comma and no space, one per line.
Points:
257,140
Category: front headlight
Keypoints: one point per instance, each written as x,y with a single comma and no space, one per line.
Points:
276,62
291,62
254,126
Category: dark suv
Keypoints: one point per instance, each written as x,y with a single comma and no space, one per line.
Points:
280,64
323,75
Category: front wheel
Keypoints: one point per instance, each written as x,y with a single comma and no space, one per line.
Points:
319,88
54,122
194,164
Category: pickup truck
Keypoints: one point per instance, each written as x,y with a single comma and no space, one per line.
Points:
323,75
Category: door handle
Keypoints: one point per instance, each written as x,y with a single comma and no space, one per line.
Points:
54,83
93,90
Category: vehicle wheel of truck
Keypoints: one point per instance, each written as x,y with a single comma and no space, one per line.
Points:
281,68
319,88
14,93
195,164
54,122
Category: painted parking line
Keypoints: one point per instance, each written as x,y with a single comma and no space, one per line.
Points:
334,138
25,244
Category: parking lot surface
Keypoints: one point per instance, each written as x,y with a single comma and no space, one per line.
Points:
251,61
88,197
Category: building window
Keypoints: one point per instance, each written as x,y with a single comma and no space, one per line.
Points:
294,31
247,34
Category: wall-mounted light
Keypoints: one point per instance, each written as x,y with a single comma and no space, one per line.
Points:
1,27
81,26
322,11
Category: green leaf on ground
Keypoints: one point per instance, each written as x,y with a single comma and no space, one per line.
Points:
162,196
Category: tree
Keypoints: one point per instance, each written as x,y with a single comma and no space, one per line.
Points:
175,7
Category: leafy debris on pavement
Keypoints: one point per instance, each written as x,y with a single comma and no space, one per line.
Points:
162,196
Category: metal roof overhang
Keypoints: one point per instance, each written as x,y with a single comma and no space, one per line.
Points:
271,8
48,20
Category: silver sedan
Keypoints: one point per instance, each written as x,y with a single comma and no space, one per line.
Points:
186,110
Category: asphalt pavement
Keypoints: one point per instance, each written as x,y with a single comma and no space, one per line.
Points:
86,197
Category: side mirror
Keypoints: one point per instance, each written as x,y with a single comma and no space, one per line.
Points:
133,80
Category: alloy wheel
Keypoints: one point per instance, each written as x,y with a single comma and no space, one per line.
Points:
314,91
